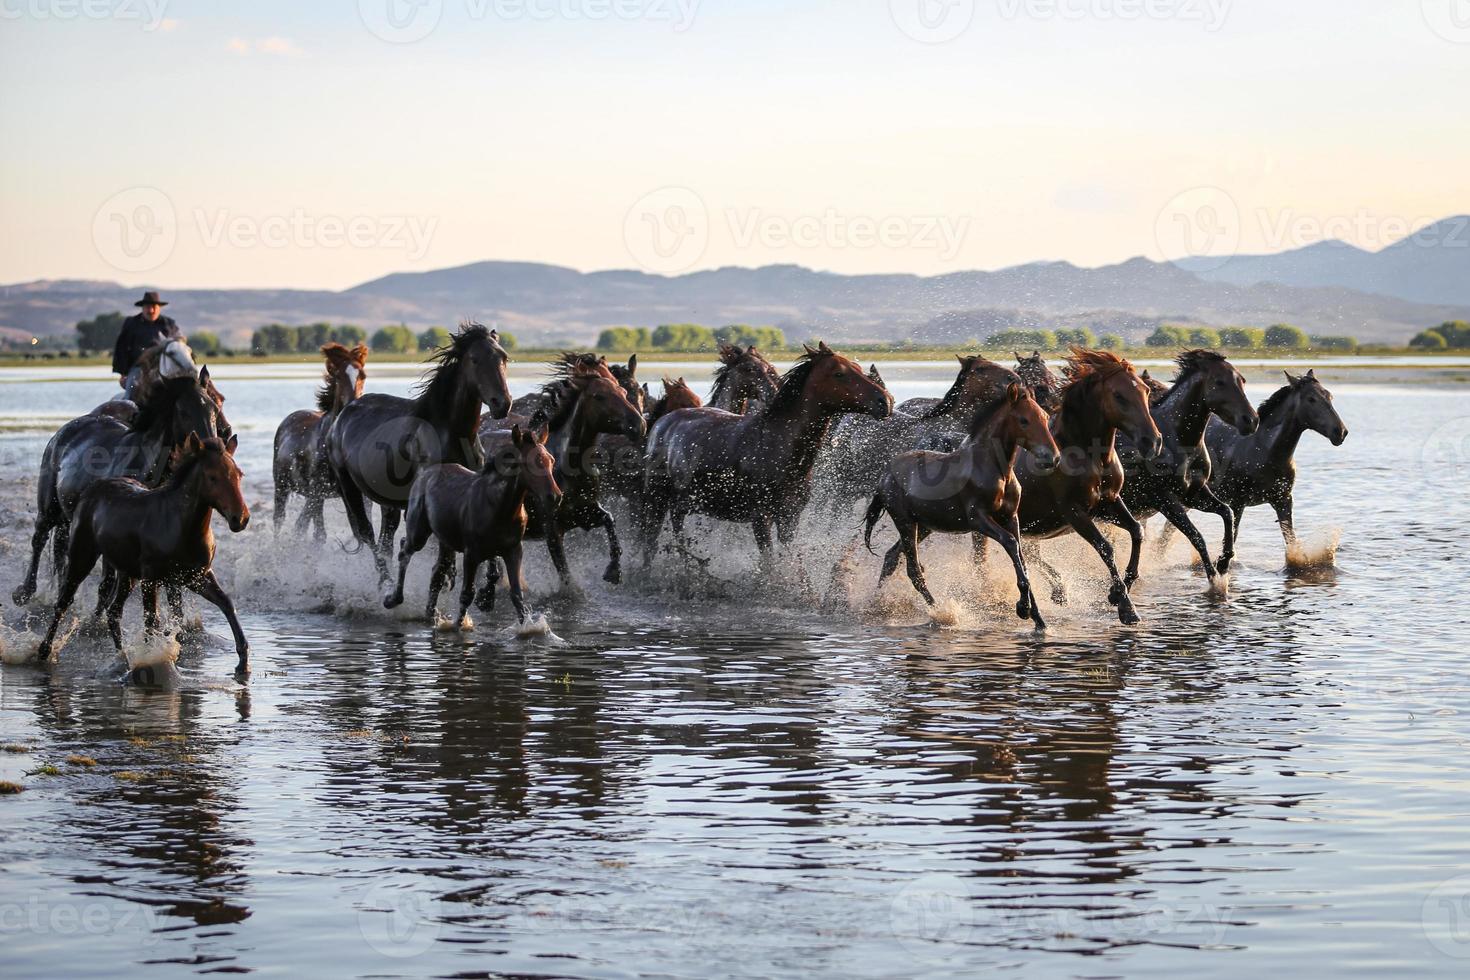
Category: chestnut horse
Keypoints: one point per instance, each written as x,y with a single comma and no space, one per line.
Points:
576,411
158,537
743,378
482,515
620,458
970,491
860,447
756,467
299,464
1102,397
1207,385
378,442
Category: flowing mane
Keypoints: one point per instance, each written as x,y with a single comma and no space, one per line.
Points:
338,358
991,408
1086,368
1278,397
1189,362
793,383
951,397
437,387
731,355
162,395
186,459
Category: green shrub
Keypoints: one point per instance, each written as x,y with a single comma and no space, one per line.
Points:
394,340
1167,336
1334,342
1204,337
1283,336
1242,338
434,338
1018,339
683,337
1076,336
1111,341
205,343
1429,340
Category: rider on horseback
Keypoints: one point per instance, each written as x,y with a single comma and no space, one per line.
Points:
140,332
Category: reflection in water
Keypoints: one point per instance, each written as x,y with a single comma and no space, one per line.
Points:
804,777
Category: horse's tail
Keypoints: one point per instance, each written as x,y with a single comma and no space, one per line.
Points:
871,519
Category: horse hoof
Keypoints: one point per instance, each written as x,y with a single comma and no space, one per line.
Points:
392,601
21,596
1128,617
1223,566
1023,609
613,575
1115,595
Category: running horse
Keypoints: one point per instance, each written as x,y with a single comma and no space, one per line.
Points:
101,446
754,468
576,410
1102,397
299,462
620,458
1045,386
743,378
1206,386
378,442
972,490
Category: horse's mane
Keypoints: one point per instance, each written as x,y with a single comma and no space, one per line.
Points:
1189,363
150,375
793,382
185,461
952,397
160,398
1280,395
437,387
658,408
568,362
730,356
991,408
337,356
1086,368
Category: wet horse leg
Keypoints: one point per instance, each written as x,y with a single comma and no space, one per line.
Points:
278,514
614,573
81,555
357,518
1116,512
986,527
45,523
1283,507
909,536
392,517
1081,522
415,536
1031,550
150,607
125,586
442,567
472,563
1205,500
105,589
175,593
1175,513
513,573
209,589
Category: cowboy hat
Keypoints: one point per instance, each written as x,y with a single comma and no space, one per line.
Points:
150,298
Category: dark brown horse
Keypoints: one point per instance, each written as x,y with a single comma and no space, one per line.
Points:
620,458
299,464
743,378
757,467
157,537
378,442
860,447
1258,469
102,446
482,515
1103,396
1207,385
576,411
1045,386
970,491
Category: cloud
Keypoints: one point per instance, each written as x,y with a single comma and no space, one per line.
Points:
280,46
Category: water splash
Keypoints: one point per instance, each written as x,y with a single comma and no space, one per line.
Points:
1219,586
1319,551
19,647
444,624
948,613
151,650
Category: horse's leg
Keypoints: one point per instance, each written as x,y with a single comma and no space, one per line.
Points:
392,517
150,607
1032,551
908,538
60,539
318,507
125,586
614,573
1175,513
81,555
175,593
513,573
1082,523
105,589
890,561
977,547
987,527
1116,512
485,599
648,515
278,515
1283,507
761,525
209,589
1205,500
467,587
442,566
557,548
415,536
1020,560
27,589
357,518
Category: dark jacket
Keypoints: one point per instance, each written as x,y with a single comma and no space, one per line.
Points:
137,336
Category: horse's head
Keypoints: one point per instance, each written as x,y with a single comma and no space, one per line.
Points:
745,374
179,408
537,468
603,406
1032,371
836,383
1118,395
1022,422
678,394
218,476
482,362
344,377
1314,408
627,377
1224,389
222,426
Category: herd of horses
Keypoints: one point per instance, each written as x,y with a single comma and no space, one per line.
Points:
1011,455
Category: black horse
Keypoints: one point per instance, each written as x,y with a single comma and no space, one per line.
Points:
743,378
1207,385
102,446
378,442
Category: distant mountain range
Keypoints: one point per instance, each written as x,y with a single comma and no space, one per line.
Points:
1331,287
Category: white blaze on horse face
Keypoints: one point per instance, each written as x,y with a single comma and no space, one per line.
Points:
352,376
177,361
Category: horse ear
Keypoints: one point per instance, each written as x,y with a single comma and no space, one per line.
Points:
1014,392
543,435
204,375
807,347
1290,378
961,359
646,392
192,443
232,444
516,436
1312,374
822,346
633,364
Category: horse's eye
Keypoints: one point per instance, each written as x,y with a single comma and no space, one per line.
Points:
1025,423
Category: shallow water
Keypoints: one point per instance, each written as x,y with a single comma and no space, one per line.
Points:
697,774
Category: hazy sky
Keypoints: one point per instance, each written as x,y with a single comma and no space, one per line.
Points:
323,143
